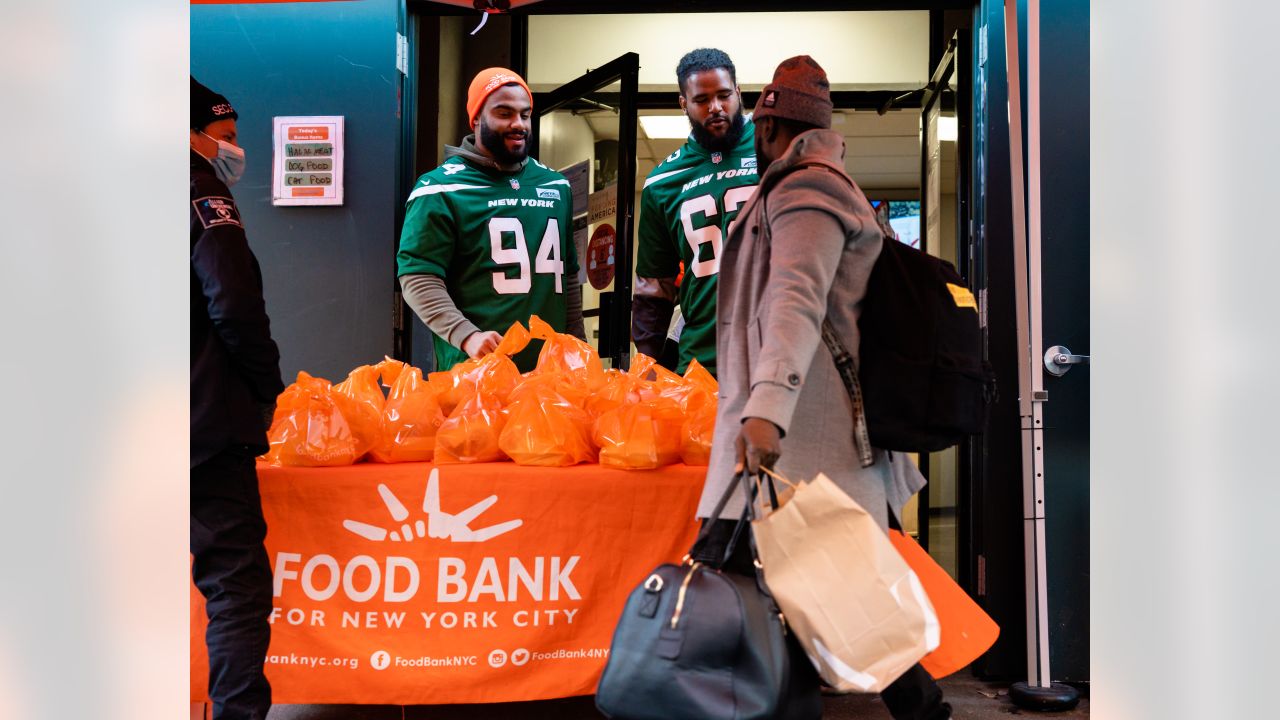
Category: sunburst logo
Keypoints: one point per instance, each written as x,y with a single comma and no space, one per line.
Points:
439,525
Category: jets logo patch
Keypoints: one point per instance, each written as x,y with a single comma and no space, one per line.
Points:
214,211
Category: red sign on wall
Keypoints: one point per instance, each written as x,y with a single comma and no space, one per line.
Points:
600,256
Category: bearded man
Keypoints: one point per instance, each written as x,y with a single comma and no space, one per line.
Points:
687,208
487,236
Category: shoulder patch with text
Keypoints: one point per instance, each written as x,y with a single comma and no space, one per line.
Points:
215,210
549,193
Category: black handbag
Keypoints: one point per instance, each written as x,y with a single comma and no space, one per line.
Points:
697,643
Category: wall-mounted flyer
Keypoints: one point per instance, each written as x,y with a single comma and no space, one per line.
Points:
307,165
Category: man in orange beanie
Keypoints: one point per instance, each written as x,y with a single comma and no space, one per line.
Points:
487,237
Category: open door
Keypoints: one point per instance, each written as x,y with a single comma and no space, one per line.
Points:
947,502
586,129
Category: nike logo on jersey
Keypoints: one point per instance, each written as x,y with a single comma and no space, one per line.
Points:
741,172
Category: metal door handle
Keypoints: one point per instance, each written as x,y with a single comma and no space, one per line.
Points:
1058,360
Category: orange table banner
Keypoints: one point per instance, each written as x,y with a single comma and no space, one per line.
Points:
409,584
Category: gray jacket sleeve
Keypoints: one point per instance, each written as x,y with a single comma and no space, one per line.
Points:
429,298
810,226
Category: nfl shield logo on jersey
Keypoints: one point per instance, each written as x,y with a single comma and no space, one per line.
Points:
515,184
716,158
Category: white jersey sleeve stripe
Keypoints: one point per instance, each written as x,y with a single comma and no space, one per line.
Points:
555,182
655,178
433,189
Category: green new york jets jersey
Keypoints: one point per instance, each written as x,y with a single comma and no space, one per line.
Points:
501,241
687,206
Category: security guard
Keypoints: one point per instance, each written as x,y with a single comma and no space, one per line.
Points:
235,379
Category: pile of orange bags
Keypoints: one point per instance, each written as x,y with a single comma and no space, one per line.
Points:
568,410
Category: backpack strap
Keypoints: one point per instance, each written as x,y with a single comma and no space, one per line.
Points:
845,364
849,374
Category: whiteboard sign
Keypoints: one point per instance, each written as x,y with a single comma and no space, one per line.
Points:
307,162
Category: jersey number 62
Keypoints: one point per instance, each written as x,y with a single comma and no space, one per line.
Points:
706,204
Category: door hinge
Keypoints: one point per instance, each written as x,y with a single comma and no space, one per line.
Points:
402,54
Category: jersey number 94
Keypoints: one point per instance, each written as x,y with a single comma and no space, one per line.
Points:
547,260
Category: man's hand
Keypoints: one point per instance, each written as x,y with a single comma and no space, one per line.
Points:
479,344
759,444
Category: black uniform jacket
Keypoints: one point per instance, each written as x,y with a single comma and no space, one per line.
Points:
235,365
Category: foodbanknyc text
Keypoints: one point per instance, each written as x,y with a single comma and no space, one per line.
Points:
399,579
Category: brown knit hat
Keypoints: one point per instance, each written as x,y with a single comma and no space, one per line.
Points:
799,91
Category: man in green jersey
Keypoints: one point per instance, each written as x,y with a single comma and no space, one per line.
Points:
688,204
487,235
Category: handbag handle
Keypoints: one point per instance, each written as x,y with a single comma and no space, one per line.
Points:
779,477
744,521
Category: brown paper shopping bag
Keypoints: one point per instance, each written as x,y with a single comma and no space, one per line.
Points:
854,604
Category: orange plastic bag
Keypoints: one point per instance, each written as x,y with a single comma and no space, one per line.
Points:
640,436
698,378
700,401
565,354
308,429
361,401
617,389
410,419
545,428
494,373
967,631
698,430
470,435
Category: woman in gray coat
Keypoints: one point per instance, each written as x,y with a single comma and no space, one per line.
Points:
800,253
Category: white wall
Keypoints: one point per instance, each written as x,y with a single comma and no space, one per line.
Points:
859,50
565,139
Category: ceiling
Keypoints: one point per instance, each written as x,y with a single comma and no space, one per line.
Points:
883,151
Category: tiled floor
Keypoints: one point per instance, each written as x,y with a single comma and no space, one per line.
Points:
970,698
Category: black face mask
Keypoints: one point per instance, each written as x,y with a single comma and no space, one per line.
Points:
720,144
495,143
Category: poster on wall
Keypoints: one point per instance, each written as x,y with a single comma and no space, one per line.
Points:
600,256
307,160
580,246
579,177
603,205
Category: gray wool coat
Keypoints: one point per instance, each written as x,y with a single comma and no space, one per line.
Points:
801,251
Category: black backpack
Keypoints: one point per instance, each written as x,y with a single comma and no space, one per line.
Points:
924,383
